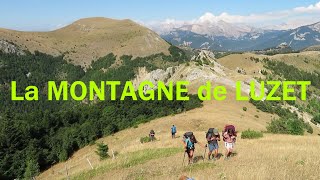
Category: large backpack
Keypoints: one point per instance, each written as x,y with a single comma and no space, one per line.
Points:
190,139
227,128
152,132
188,135
209,134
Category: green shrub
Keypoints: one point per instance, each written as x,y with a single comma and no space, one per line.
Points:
286,126
145,139
102,150
256,116
194,102
177,54
245,108
264,106
251,134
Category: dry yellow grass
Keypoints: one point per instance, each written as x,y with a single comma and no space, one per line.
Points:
312,48
308,61
88,39
243,61
272,157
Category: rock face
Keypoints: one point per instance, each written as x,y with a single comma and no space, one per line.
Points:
7,47
197,75
153,76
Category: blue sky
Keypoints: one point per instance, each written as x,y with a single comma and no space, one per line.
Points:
46,15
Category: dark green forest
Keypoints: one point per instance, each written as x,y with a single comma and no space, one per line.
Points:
36,134
291,73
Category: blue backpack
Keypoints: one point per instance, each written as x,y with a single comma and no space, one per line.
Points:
190,145
189,139
173,129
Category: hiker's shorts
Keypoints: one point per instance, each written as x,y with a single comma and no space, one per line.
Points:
189,150
213,146
229,145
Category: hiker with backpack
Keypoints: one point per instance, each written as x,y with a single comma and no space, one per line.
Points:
151,135
173,131
189,141
213,137
229,138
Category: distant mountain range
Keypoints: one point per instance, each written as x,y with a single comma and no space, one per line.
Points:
223,36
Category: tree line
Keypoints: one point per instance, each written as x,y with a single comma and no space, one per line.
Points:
36,135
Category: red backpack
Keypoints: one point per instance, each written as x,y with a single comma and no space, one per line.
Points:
227,128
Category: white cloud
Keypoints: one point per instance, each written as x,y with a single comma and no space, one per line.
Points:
285,19
250,19
309,9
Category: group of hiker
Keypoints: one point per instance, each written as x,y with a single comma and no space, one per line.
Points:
213,137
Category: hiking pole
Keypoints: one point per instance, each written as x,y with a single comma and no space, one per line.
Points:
184,156
205,150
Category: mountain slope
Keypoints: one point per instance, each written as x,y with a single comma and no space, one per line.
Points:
165,156
214,113
313,48
253,160
299,38
88,39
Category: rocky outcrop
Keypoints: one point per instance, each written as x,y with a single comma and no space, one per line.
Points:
195,74
153,76
8,47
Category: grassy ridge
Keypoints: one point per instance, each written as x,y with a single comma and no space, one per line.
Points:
128,160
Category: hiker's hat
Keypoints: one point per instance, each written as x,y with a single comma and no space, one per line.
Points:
215,132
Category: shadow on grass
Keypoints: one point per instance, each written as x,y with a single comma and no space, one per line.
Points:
233,154
197,159
219,155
